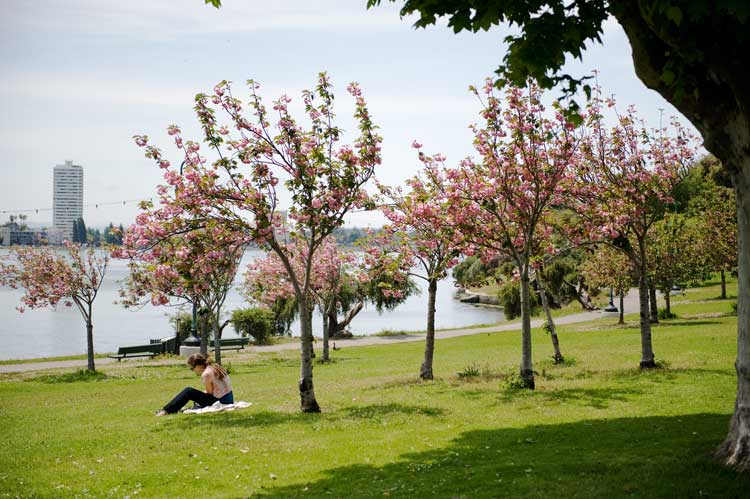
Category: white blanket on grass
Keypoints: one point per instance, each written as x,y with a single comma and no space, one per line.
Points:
218,407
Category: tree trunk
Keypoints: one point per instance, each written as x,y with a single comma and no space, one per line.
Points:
550,323
719,110
527,374
653,307
667,302
735,451
337,327
327,329
723,285
425,371
647,352
204,334
90,343
622,308
306,390
217,339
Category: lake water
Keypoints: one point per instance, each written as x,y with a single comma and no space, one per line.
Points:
48,332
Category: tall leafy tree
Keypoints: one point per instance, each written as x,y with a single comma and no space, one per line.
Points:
679,253
684,49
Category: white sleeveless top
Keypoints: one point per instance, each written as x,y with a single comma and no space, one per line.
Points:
221,386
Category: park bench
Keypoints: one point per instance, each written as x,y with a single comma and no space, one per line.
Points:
233,343
149,350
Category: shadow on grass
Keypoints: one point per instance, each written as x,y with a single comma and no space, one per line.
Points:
376,411
683,322
596,398
249,420
81,375
626,457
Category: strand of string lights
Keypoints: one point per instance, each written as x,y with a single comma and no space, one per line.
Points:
105,204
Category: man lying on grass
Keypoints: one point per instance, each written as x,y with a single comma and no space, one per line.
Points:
214,377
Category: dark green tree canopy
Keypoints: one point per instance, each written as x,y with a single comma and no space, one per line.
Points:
684,49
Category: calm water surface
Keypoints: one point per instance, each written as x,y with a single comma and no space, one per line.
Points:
48,332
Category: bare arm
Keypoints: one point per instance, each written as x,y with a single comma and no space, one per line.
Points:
207,381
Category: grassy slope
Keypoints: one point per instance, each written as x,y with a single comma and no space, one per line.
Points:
595,428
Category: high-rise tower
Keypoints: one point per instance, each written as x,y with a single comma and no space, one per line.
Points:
67,198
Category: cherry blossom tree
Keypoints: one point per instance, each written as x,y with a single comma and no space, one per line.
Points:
418,226
626,176
197,267
240,189
49,277
502,204
341,282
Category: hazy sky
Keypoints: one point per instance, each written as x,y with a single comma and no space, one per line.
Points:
79,78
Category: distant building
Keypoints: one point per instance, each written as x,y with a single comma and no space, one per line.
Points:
12,234
67,198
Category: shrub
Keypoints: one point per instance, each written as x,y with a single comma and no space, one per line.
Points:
514,381
734,308
470,371
181,322
256,322
664,314
510,299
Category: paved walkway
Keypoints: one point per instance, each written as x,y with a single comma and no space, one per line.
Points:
631,305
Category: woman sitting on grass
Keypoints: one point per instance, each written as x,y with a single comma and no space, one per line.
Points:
216,381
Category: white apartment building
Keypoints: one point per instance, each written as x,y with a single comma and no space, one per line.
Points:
67,198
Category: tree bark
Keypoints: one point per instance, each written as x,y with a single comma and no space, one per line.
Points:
337,327
425,370
647,352
327,329
667,302
217,339
622,308
306,390
90,343
723,285
653,306
204,334
735,451
558,357
719,107
527,373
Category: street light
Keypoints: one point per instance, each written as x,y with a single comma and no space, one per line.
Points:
611,308
192,340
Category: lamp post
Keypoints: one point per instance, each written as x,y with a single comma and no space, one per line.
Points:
611,309
192,340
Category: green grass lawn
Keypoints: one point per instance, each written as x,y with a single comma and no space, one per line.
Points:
595,427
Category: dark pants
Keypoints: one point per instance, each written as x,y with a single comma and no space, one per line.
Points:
201,398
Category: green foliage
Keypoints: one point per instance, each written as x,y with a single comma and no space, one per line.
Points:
665,315
348,236
514,381
181,324
470,371
373,291
510,299
284,311
256,322
734,308
471,272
